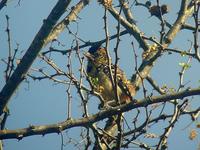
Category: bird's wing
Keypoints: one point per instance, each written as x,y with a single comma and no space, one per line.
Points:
125,85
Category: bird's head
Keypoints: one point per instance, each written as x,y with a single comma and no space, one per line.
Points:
97,55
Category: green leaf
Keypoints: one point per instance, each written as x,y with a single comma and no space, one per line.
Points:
185,65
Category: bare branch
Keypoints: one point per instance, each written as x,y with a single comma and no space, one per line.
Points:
127,11
65,22
3,3
32,52
131,28
58,127
64,52
184,13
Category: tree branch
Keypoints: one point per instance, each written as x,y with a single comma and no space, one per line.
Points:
147,65
184,13
131,28
3,3
46,33
65,22
85,122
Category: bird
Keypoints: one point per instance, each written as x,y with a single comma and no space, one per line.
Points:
99,74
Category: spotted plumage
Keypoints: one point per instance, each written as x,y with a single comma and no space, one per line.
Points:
98,71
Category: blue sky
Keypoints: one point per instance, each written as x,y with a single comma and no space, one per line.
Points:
43,102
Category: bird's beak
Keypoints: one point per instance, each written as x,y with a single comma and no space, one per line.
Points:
89,56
